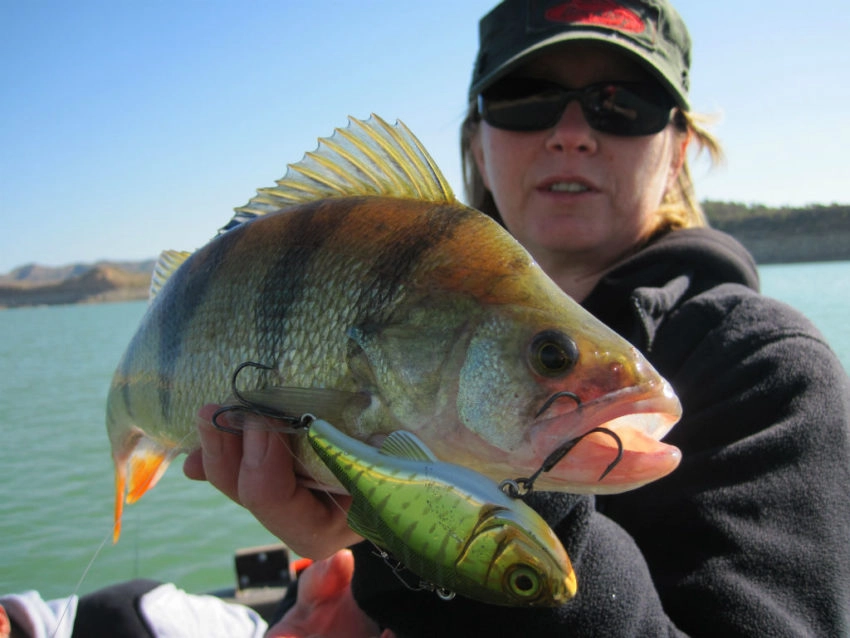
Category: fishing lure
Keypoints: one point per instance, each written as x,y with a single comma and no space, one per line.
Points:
449,525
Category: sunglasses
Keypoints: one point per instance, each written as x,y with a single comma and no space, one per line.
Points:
619,108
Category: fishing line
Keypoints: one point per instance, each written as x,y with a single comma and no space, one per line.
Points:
97,552
80,583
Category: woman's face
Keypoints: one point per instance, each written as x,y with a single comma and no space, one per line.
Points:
571,192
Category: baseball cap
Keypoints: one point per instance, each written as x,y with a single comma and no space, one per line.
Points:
650,31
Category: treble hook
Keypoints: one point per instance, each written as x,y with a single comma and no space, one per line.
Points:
555,397
398,568
244,405
523,486
226,428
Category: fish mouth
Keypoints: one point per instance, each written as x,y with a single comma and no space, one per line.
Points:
638,417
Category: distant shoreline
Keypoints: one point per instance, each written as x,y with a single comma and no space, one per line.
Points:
786,235
772,235
99,284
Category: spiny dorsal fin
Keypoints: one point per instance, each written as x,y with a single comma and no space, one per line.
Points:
367,158
406,445
168,262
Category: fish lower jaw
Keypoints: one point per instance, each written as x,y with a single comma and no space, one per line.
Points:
652,417
596,466
592,465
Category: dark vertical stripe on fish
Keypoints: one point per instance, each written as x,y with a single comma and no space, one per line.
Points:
394,267
123,374
175,311
285,278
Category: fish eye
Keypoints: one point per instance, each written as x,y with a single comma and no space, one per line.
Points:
553,353
524,582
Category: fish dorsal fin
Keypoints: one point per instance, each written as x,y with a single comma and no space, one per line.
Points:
368,157
406,445
168,262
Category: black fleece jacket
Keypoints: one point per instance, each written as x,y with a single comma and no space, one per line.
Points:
750,535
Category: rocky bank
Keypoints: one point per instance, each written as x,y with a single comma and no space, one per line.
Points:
100,283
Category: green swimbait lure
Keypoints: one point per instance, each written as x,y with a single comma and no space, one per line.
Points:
451,526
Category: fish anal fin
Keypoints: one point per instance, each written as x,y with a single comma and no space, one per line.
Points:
406,445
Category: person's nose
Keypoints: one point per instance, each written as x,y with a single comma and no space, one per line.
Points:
572,132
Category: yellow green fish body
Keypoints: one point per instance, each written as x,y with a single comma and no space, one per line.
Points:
380,303
449,525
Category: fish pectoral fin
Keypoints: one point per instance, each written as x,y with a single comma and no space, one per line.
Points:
324,403
391,356
137,472
406,445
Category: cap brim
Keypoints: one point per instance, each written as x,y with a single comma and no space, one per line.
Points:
538,48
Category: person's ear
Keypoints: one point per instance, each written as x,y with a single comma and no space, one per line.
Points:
478,155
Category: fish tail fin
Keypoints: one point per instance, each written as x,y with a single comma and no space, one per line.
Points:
138,467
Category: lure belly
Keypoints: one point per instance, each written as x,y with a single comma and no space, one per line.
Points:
449,525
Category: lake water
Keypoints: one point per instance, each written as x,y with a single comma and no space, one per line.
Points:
56,492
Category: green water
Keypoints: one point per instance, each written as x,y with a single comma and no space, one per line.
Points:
56,492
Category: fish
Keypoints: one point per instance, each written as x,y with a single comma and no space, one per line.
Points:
449,525
369,296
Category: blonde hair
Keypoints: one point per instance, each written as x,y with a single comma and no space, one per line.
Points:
679,208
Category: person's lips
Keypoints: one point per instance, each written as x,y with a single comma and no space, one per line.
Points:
567,184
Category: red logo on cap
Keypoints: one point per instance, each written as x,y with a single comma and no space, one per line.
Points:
602,13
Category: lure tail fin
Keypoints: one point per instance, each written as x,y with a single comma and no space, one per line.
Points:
138,467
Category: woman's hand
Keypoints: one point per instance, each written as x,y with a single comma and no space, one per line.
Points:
325,607
257,471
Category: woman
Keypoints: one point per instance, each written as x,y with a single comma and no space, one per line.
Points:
576,141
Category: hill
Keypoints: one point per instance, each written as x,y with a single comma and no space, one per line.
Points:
99,283
785,235
36,274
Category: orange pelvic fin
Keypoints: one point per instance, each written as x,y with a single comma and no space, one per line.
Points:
137,471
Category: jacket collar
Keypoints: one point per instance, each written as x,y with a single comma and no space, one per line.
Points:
636,294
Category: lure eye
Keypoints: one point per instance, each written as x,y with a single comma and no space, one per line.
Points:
524,582
553,353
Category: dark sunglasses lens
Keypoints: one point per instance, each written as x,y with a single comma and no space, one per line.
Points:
522,105
627,109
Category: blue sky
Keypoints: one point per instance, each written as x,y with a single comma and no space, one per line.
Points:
131,126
